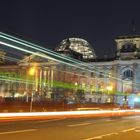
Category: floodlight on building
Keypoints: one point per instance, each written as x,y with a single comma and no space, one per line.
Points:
32,71
109,88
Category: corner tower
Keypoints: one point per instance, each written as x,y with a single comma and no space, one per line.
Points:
128,47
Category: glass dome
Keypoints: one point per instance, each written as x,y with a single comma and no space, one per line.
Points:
78,45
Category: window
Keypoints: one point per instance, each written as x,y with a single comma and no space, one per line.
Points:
101,75
128,74
83,73
92,74
128,47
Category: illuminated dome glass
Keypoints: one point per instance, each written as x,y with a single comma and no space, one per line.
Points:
78,45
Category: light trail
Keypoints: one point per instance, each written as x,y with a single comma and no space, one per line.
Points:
85,76
44,50
68,72
48,51
38,54
11,79
55,83
62,113
11,59
39,48
44,56
30,45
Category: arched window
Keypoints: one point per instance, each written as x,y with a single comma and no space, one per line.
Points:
128,47
128,74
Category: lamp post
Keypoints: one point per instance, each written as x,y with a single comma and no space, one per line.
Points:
31,103
32,73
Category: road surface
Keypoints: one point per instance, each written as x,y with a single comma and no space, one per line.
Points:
124,128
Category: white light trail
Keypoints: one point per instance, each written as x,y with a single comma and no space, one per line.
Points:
66,113
82,65
52,53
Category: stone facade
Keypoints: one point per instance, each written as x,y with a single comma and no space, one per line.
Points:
99,83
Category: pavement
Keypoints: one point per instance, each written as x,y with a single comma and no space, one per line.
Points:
114,128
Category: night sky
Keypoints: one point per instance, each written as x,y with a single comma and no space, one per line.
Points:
48,22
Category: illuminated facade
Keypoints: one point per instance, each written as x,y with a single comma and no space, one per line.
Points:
124,71
119,75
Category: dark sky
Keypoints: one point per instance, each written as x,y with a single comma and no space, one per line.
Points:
50,21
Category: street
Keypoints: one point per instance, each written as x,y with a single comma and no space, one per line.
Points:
123,128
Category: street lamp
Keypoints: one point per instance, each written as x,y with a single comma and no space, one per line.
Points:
32,73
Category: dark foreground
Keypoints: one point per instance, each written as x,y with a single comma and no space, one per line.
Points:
124,128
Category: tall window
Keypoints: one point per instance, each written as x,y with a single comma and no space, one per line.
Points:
101,75
128,74
83,73
92,74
